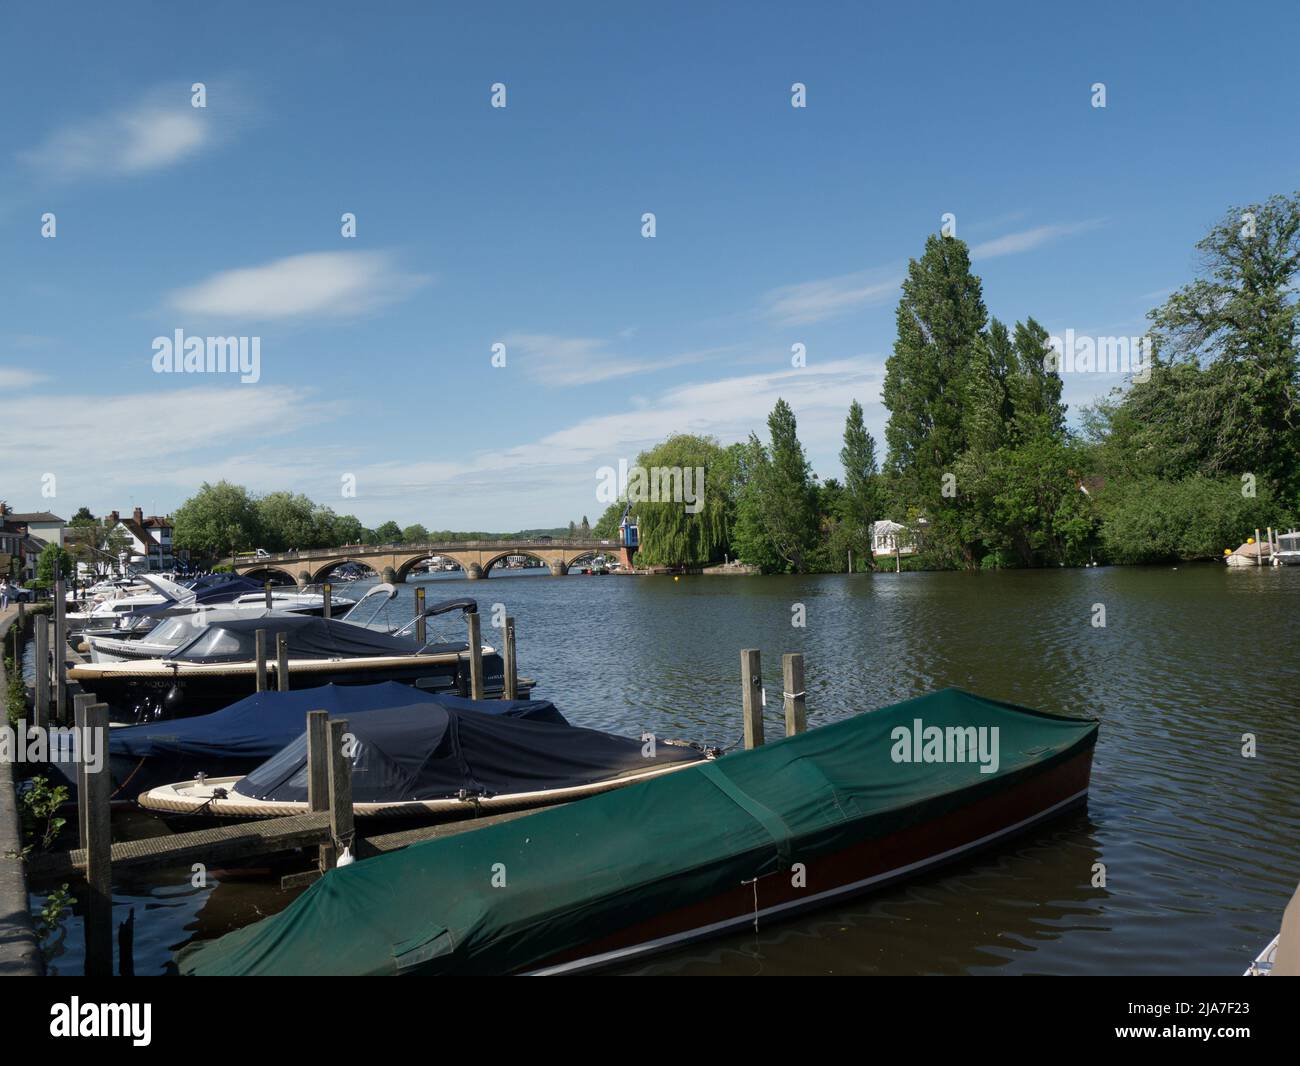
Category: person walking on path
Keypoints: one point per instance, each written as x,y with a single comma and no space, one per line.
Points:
4,594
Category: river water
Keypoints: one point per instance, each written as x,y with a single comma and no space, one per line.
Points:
1201,845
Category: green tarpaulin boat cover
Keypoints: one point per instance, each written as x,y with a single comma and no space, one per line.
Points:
510,896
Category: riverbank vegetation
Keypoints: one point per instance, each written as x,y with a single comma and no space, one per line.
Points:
1198,450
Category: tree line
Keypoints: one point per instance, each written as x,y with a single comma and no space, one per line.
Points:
980,463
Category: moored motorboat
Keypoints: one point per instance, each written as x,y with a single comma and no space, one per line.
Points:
440,761
751,837
217,666
240,737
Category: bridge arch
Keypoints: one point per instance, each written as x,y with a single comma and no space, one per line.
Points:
322,573
487,565
277,575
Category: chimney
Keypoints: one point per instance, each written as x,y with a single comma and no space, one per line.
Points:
138,515
114,519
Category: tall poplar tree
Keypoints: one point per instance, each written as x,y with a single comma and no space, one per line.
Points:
937,375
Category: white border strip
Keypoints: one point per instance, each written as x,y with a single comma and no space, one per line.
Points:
704,931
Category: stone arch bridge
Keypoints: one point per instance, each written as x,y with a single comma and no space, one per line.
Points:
394,562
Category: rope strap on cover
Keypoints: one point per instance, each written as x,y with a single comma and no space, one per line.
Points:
765,816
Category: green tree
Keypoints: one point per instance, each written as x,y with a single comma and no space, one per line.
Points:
346,529
54,562
286,520
685,521
1237,326
415,534
389,533
218,520
859,504
782,498
939,385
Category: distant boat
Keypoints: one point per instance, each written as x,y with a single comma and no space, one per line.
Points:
1288,549
750,838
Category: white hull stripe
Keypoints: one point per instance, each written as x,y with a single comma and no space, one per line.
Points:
704,931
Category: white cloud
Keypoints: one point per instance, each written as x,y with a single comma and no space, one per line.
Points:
1027,240
813,301
182,436
158,130
336,284
565,361
207,433
17,378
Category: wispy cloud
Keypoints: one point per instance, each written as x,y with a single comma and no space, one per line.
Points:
192,426
156,131
1028,239
18,378
814,301
334,284
566,361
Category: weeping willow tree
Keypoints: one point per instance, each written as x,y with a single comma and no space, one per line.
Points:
681,495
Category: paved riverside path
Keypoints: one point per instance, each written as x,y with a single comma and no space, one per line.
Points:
20,954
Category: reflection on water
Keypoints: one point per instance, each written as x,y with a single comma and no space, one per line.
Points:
1201,846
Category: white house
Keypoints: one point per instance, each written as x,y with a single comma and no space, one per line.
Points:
151,539
890,538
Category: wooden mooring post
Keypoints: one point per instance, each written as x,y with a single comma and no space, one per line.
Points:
80,702
269,598
318,781
342,829
751,678
41,712
475,656
99,853
796,716
327,590
60,650
511,685
282,662
421,627
260,637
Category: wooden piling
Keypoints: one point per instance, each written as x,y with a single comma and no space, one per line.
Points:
421,630
511,691
269,598
327,591
99,845
41,712
261,660
282,661
751,678
318,754
80,702
340,790
60,650
796,716
475,656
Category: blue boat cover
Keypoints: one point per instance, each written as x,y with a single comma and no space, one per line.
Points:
237,738
446,751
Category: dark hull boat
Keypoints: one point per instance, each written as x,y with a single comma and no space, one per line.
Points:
755,836
217,667
239,738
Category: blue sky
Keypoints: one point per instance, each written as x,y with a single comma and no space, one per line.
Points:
478,225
